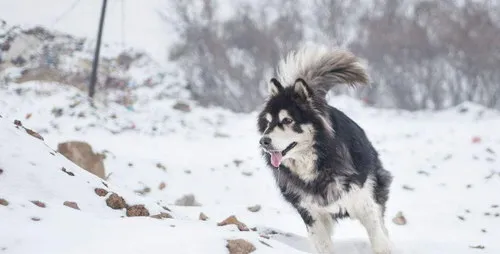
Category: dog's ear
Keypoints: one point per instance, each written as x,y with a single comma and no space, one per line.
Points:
302,89
275,87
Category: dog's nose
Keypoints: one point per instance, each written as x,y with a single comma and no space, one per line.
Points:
265,141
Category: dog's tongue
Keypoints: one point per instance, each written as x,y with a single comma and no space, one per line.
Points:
276,158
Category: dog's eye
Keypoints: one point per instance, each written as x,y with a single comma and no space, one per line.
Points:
287,120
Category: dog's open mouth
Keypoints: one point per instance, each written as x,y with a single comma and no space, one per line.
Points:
277,156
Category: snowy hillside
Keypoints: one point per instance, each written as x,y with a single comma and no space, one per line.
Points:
445,165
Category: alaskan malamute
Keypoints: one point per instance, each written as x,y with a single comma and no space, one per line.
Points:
323,163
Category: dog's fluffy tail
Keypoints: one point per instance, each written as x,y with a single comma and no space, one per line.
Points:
322,68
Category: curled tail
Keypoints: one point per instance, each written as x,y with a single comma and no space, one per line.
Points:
322,68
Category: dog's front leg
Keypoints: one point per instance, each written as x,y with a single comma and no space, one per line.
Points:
319,228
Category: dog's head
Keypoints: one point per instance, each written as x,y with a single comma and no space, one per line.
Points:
289,121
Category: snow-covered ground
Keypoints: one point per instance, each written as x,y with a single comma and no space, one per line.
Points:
446,168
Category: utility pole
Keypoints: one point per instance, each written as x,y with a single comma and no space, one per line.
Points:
95,63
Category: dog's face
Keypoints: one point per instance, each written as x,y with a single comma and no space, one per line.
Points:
287,123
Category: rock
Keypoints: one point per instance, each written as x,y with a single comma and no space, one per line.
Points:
137,210
240,246
1,171
254,208
162,186
234,221
399,219
116,202
33,133
39,203
161,166
4,202
67,172
237,162
476,139
71,204
18,123
82,155
203,217
182,106
144,191
35,219
162,216
187,200
101,192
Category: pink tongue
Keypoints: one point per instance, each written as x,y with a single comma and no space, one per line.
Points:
276,158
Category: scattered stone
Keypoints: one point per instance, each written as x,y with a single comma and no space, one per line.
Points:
187,200
234,221
240,246
39,203
247,173
447,157
144,191
497,214
468,186
161,216
166,208
265,236
182,106
162,186
220,135
18,123
422,172
492,206
467,211
71,204
101,192
130,164
33,133
203,217
487,214
28,116
484,230
116,202
187,171
462,218
105,184
476,139
399,219
1,171
35,219
237,162
408,188
481,247
266,244
57,112
67,172
137,210
254,208
489,150
161,166
82,155
4,202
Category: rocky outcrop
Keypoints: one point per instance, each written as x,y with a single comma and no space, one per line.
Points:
82,155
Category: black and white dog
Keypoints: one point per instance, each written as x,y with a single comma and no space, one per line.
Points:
323,163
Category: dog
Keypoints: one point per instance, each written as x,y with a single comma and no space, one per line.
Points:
322,161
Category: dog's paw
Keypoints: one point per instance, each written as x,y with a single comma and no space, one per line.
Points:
382,246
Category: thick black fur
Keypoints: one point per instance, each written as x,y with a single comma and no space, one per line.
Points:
346,154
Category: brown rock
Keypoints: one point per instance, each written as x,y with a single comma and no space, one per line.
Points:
254,208
18,123
101,192
137,210
203,217
33,133
116,202
233,220
399,219
4,202
39,203
162,186
162,216
240,246
71,204
82,155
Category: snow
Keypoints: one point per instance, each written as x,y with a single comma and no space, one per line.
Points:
430,153
441,175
